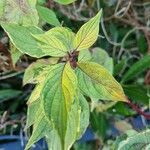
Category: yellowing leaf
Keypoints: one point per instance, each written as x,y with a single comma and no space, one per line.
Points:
57,109
35,95
56,42
88,33
69,84
57,96
96,82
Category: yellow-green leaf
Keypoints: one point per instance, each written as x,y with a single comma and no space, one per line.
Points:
58,95
56,42
88,33
35,95
36,72
96,82
69,84
40,129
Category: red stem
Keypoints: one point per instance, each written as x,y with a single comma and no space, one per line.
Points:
138,110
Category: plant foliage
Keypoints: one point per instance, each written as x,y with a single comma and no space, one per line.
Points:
57,108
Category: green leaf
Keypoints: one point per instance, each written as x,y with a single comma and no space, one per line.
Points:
21,37
137,93
88,33
58,95
2,7
137,141
8,94
142,44
56,42
137,68
96,82
53,140
121,109
99,124
84,115
22,12
84,55
41,2
101,57
48,16
64,2
119,67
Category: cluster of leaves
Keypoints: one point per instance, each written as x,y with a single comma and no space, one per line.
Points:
57,106
63,112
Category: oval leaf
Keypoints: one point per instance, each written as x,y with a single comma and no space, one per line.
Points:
48,16
21,37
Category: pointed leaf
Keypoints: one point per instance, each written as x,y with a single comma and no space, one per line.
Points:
88,33
137,68
96,82
41,127
21,37
56,42
48,16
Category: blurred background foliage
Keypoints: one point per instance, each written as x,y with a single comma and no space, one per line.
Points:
123,47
